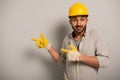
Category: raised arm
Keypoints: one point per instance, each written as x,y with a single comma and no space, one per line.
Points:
43,42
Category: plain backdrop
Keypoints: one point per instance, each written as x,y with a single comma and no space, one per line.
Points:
21,20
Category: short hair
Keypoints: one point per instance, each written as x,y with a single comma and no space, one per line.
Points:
78,15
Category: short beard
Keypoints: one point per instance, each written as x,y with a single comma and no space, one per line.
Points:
81,32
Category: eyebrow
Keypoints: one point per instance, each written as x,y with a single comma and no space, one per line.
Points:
76,16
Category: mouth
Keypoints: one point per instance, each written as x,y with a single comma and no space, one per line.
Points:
78,28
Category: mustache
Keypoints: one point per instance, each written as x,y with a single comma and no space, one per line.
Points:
79,26
83,30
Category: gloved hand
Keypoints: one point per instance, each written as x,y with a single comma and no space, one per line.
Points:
73,54
42,42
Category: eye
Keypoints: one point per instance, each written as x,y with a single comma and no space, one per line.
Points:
74,20
82,19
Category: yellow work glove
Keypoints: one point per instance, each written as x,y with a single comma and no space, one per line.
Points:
42,42
73,54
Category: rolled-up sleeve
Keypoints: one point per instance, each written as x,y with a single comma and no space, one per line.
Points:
62,60
102,51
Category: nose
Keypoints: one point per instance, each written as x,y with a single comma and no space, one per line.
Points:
78,22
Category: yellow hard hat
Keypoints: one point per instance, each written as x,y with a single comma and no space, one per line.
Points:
78,9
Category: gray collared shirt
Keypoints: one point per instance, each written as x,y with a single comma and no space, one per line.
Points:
92,44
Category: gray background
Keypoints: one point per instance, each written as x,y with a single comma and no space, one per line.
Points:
20,20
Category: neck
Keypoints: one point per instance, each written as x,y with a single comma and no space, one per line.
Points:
78,36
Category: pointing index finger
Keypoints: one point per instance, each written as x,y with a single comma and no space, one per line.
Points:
42,36
35,39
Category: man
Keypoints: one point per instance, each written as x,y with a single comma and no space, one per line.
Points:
83,51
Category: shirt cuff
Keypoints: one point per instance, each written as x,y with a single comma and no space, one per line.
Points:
103,61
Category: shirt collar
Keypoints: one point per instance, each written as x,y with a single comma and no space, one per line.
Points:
72,34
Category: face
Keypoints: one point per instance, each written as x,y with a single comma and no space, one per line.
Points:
78,23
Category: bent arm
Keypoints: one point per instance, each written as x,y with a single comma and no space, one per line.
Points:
54,54
95,61
101,60
90,60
